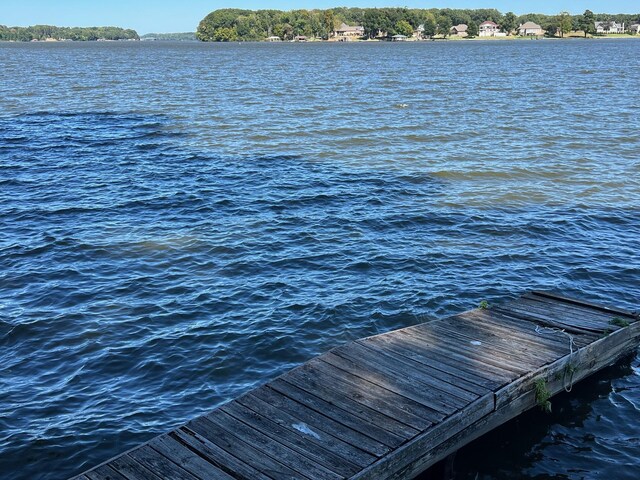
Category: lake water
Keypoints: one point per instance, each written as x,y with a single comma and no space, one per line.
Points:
182,222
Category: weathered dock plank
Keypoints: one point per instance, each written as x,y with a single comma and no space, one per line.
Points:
391,405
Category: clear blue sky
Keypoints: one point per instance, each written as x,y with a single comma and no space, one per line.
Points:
183,15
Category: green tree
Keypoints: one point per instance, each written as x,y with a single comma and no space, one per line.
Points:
564,23
587,23
329,21
472,29
430,25
225,34
509,23
372,22
404,28
444,25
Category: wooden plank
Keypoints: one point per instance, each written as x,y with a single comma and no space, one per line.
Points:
507,343
417,351
274,449
435,402
504,340
586,320
531,316
159,464
525,334
337,446
187,459
571,311
314,375
130,468
595,306
406,363
338,465
104,472
467,366
423,443
517,360
586,361
392,367
319,422
240,449
364,420
216,455
410,359
477,358
519,402
510,318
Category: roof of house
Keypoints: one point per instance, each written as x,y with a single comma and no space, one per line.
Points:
460,28
489,22
611,23
528,25
350,28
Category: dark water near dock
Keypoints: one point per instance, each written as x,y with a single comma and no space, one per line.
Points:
182,222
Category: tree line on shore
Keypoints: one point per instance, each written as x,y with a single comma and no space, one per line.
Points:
44,32
232,24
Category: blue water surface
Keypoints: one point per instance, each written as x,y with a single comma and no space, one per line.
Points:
182,222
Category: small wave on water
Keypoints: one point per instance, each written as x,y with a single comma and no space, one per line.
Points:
155,261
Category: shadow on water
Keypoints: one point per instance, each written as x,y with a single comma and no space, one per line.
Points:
562,444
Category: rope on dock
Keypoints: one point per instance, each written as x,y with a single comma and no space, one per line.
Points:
570,369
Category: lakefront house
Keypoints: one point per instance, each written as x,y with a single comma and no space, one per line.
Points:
530,29
346,32
460,30
609,27
488,29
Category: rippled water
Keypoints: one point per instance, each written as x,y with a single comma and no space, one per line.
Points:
182,222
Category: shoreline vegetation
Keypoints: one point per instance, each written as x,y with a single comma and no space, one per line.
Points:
405,24
50,33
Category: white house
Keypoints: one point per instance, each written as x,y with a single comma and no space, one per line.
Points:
609,27
635,28
530,28
488,29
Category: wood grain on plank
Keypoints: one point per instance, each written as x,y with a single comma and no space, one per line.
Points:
318,421
358,391
271,447
187,459
363,420
307,433
391,366
292,440
216,455
420,360
131,469
241,449
105,472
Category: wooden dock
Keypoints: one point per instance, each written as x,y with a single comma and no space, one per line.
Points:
392,405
